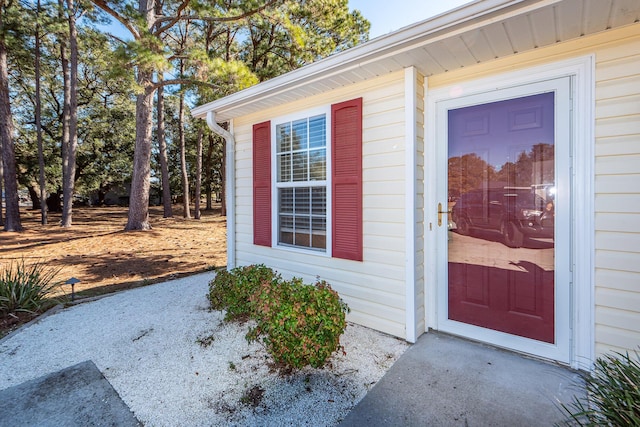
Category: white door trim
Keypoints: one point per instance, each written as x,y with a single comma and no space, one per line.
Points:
581,71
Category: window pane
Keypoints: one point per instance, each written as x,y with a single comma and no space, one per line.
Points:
286,200
284,167
302,200
283,137
318,165
317,132
302,231
299,135
319,233
319,201
300,167
286,229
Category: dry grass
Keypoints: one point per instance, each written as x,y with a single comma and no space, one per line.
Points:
105,258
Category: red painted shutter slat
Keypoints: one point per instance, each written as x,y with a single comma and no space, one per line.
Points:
346,179
262,184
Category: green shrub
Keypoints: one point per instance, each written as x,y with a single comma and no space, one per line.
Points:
26,288
231,290
613,394
299,324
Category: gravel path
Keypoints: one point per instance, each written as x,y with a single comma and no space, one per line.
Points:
175,362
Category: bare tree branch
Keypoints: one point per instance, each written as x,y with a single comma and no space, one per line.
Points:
102,4
173,20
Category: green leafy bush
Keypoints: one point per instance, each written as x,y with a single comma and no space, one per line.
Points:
26,288
613,394
299,324
231,290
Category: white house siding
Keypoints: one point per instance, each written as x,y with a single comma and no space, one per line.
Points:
617,186
375,288
617,172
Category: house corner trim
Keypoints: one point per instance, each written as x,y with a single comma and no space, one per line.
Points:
410,104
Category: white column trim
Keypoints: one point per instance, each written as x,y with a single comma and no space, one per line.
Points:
410,94
583,226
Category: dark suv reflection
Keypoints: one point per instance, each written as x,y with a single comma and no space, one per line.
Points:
516,212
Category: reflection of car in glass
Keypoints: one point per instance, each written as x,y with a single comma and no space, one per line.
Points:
516,212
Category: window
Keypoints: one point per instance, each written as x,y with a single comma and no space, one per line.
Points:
315,203
301,162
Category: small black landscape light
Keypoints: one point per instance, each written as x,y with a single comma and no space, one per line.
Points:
72,282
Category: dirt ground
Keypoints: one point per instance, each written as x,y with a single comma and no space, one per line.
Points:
97,251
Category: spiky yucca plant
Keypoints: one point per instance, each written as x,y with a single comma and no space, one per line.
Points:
26,288
613,394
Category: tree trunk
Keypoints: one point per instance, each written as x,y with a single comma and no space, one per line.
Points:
183,159
198,191
42,182
66,84
164,162
12,217
12,220
35,198
69,161
138,218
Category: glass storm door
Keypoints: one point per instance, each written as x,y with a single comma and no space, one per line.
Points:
503,206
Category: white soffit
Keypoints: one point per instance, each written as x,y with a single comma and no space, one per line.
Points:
474,33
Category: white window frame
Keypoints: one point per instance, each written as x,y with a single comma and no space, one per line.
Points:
275,231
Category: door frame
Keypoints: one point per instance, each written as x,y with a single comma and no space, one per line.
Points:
581,346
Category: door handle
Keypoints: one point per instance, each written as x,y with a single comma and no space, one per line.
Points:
440,212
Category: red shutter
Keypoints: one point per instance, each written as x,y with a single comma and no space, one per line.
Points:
346,179
262,184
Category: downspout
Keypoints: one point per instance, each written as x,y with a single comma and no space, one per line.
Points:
230,186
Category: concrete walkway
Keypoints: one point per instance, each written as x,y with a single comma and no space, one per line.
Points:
447,381
76,396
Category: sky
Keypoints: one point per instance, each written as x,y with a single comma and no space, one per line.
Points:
390,15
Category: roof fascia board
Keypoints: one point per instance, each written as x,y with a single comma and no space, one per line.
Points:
435,29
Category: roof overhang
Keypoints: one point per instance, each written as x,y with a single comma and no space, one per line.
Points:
474,33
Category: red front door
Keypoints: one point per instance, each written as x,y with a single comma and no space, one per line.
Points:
501,190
